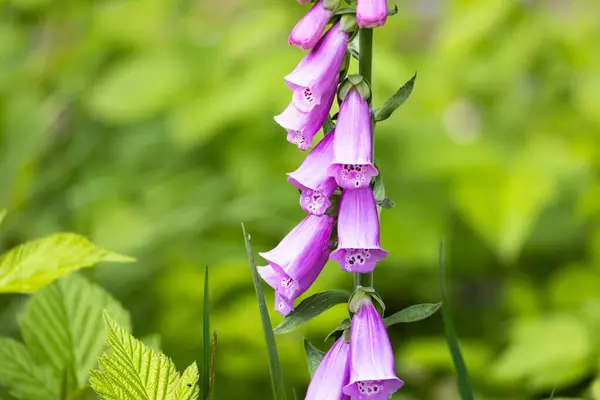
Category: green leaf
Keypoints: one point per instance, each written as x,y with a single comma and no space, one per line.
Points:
328,125
417,312
338,331
133,371
313,356
24,378
386,203
274,367
62,327
464,386
379,192
311,307
206,341
2,215
397,99
30,266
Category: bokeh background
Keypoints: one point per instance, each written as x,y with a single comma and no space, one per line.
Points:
147,126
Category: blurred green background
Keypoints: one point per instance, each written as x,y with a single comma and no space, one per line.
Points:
147,126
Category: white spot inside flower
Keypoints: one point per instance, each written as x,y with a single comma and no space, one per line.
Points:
313,201
354,174
356,257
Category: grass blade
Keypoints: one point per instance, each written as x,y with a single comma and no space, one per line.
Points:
213,352
206,347
464,387
274,367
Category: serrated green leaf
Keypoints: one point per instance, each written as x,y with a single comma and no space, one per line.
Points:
187,389
30,266
311,307
206,341
313,357
24,378
397,99
133,371
464,386
274,366
414,313
62,327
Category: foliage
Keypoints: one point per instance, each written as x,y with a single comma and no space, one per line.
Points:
138,124
34,264
63,335
134,371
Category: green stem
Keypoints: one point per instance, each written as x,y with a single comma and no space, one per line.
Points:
365,69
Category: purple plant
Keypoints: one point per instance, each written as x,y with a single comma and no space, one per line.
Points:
337,181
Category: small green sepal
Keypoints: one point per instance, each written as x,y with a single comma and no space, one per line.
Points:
346,336
354,81
358,298
348,23
332,5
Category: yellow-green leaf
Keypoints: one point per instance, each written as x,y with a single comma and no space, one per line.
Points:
30,266
24,378
134,371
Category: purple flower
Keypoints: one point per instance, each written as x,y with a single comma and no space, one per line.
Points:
358,232
302,127
297,260
331,375
312,178
312,80
308,30
371,13
372,372
352,164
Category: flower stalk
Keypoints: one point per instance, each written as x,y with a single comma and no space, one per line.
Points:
365,69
